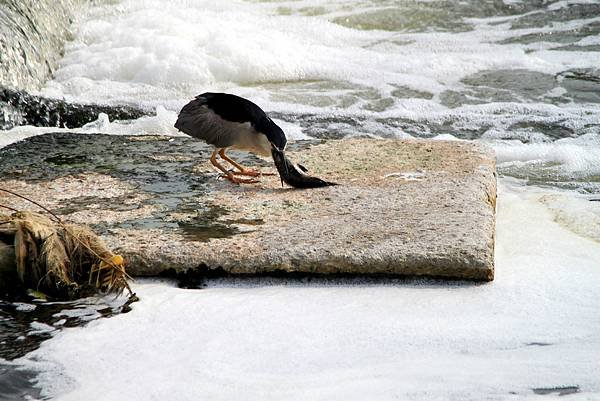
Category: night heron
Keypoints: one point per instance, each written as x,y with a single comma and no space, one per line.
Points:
232,122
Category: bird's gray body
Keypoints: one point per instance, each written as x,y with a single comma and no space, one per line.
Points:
229,121
199,120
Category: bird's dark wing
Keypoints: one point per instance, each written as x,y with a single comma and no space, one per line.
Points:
238,109
233,108
220,127
221,119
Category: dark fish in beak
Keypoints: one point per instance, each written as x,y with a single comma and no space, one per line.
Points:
295,175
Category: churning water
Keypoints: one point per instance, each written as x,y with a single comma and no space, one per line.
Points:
522,76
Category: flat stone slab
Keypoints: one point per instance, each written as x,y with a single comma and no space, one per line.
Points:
403,207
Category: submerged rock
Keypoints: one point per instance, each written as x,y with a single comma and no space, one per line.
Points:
402,207
20,108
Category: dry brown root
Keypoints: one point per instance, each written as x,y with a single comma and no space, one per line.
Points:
62,260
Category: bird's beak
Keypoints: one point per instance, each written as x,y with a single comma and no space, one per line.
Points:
278,153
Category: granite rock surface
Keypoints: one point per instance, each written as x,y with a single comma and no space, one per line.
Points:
403,207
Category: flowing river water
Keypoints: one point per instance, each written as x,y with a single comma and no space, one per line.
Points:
520,76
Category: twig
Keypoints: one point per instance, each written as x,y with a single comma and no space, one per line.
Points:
32,201
9,208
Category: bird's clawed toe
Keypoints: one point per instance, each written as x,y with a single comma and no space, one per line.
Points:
250,173
246,172
231,177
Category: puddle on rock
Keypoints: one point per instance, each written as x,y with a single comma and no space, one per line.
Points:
161,172
66,159
206,226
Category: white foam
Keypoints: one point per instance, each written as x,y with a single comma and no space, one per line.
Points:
160,124
578,213
162,52
183,47
422,340
445,137
571,157
566,3
24,307
159,54
292,131
23,132
40,328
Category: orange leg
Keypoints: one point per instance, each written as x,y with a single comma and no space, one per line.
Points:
228,174
243,170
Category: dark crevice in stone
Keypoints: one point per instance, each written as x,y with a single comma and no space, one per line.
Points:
561,391
201,276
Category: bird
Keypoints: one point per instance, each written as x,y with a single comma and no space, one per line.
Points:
229,121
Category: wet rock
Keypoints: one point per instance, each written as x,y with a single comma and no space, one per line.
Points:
402,207
32,35
20,108
8,274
